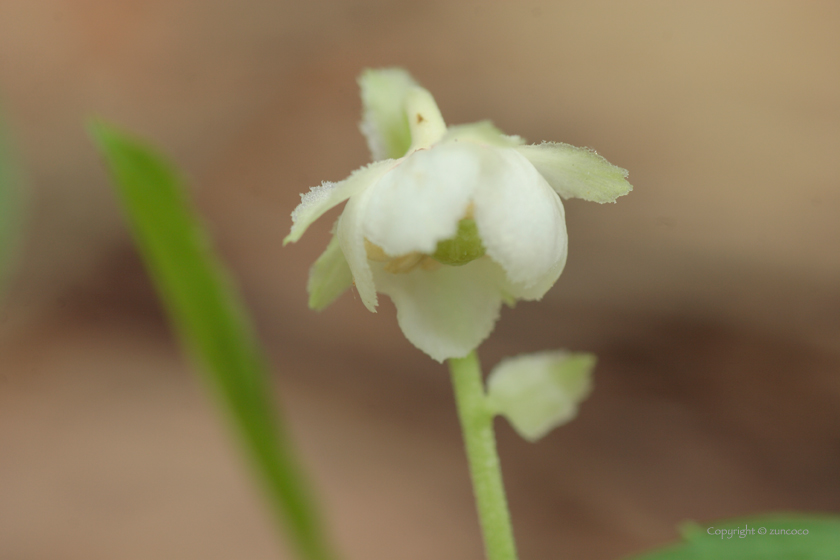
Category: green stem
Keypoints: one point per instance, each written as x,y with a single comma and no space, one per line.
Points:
477,426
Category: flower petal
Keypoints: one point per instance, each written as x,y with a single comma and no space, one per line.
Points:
384,120
536,291
320,199
538,392
521,221
447,312
483,132
577,172
420,202
424,118
352,241
328,277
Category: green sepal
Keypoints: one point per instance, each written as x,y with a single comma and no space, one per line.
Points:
577,172
384,120
329,277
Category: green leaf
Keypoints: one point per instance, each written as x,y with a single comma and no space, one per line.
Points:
538,392
11,205
763,537
210,318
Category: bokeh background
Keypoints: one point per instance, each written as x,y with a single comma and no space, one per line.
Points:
711,293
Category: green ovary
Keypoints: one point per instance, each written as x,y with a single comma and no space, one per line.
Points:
466,246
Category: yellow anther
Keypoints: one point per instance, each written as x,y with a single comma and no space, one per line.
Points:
405,263
470,213
429,264
375,252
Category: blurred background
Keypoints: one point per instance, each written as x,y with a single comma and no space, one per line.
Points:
711,293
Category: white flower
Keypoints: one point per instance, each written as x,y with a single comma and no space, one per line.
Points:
448,222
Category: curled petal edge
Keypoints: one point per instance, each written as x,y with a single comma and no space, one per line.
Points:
521,220
322,198
352,241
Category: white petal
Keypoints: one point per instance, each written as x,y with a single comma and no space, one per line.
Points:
538,392
352,240
536,291
420,202
483,132
328,277
578,172
424,118
521,222
320,199
384,121
447,312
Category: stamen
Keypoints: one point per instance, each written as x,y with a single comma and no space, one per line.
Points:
375,252
430,264
470,213
465,247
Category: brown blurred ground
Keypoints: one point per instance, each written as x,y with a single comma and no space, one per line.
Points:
710,293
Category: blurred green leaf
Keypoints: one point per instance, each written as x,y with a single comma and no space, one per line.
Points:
11,207
763,537
210,318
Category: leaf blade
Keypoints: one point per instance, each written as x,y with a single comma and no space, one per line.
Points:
11,204
211,321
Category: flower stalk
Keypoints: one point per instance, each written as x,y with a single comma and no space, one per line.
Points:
480,442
